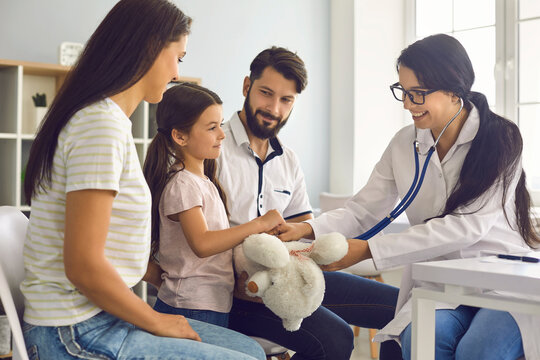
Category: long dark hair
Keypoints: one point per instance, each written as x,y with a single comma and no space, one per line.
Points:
181,107
441,62
118,54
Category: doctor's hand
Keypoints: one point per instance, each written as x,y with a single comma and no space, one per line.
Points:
294,231
358,251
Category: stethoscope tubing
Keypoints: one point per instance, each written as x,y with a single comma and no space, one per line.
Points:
407,199
415,186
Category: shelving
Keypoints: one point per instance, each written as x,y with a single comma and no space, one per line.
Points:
19,80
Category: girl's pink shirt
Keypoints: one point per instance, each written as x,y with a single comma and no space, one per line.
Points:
189,281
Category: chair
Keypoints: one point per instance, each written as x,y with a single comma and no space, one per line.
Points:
13,226
366,268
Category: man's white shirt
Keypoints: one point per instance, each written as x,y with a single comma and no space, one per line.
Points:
253,187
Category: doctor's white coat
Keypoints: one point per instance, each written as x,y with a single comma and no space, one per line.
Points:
484,230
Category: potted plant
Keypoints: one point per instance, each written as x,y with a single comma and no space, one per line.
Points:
5,333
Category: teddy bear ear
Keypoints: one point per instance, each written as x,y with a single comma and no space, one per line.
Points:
266,250
328,248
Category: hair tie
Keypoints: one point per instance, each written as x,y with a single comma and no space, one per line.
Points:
163,131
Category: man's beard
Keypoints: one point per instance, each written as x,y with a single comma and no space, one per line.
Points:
258,130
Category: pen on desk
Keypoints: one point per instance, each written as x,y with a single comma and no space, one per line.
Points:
519,258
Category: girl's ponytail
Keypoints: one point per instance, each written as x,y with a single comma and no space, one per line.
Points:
157,173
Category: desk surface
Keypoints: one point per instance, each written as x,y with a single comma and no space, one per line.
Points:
484,272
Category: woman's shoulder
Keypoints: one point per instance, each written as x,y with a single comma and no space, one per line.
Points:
102,123
103,114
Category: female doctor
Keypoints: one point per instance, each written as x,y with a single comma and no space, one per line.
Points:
473,199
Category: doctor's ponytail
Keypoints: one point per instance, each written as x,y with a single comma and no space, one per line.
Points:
494,158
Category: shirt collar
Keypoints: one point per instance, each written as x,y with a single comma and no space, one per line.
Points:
467,133
238,131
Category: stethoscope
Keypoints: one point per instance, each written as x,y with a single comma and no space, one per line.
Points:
415,186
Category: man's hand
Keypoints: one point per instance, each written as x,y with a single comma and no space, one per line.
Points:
358,251
294,231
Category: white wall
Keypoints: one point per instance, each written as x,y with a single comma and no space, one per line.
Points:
226,36
342,95
353,42
366,39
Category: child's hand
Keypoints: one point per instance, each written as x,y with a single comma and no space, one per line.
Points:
175,326
270,220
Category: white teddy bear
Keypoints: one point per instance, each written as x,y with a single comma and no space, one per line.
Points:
286,275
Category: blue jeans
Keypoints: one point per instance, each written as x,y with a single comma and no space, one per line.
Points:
207,316
107,337
471,333
326,334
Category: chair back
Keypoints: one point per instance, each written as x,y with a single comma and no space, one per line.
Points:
13,225
329,201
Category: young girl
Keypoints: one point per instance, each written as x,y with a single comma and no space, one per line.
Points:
88,238
190,227
473,199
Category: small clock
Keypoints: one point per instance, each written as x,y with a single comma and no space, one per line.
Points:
69,53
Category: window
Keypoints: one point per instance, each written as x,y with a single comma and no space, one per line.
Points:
500,37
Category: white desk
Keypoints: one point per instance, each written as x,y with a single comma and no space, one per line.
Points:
461,279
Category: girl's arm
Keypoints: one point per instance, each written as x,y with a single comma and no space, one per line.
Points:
88,214
206,243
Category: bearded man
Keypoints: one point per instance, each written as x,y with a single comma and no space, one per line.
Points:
258,173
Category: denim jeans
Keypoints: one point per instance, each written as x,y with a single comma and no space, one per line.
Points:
325,334
107,337
472,333
207,316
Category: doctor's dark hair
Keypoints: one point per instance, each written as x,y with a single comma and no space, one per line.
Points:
118,54
181,107
284,62
441,62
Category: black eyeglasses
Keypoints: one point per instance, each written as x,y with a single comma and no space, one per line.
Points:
417,97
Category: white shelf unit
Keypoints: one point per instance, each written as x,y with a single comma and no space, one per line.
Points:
19,80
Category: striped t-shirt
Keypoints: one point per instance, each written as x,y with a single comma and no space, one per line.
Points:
95,151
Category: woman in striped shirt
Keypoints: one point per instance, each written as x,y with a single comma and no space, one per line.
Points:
88,240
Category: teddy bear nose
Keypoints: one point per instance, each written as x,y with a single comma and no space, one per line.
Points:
252,287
